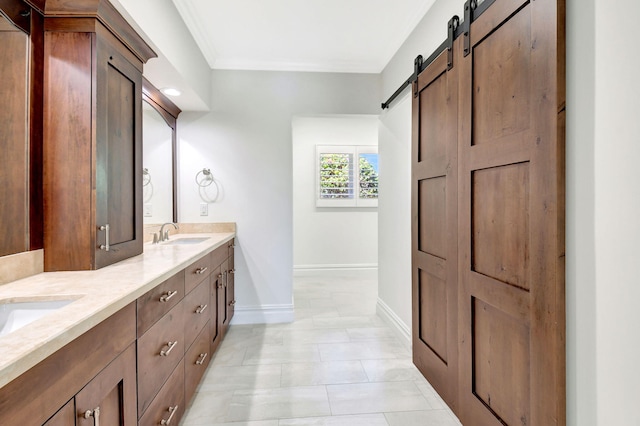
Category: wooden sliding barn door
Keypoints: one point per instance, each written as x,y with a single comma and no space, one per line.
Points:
488,218
511,217
434,222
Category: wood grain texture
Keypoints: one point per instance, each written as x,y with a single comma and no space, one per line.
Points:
200,351
104,11
14,141
113,391
511,217
194,318
68,161
66,416
197,272
171,395
36,395
149,306
215,329
434,232
118,145
153,368
36,197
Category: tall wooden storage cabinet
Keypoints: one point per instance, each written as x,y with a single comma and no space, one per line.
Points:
92,136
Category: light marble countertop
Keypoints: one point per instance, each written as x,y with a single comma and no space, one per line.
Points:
99,295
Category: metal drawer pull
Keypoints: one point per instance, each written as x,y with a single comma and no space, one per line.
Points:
168,351
233,271
201,359
233,302
105,246
201,309
201,271
168,295
95,413
172,411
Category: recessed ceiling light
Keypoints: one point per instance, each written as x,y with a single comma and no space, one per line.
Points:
170,91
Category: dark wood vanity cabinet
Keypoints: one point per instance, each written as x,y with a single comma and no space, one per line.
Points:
92,137
95,371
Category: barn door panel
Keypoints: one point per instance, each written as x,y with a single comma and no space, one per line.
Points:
434,180
511,216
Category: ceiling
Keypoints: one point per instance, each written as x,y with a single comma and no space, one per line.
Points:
359,36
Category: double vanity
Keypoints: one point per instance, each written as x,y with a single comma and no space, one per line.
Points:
125,344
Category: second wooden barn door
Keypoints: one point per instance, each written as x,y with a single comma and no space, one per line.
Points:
511,221
489,202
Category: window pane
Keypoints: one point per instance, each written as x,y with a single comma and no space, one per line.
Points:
368,176
336,176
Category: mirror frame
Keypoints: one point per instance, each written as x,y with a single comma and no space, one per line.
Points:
169,112
30,21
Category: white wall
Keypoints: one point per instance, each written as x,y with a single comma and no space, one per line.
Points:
582,403
326,237
617,212
180,62
246,141
394,205
394,213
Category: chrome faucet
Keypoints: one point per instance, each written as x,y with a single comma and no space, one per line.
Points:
162,234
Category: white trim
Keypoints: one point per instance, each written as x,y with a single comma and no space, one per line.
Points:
263,314
194,23
402,330
335,267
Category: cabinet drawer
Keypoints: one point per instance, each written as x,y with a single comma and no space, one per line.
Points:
196,272
196,361
219,255
159,350
168,405
197,308
157,302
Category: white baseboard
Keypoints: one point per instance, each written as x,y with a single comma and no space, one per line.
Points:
335,267
402,330
263,314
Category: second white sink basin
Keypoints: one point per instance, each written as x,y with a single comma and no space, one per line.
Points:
15,315
187,240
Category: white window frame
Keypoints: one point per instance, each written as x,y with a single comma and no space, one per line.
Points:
355,151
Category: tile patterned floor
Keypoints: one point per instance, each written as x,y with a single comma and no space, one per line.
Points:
338,364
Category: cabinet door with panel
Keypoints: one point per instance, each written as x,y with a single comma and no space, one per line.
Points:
231,291
92,137
214,324
223,297
118,155
110,398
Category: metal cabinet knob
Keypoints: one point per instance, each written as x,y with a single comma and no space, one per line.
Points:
171,345
95,413
172,411
168,295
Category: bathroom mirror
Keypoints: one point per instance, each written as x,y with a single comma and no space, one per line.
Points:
159,117
15,195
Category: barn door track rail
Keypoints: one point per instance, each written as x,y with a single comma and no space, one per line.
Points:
472,10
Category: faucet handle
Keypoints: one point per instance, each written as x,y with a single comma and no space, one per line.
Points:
155,238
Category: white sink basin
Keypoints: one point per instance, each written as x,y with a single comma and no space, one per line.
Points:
186,240
18,314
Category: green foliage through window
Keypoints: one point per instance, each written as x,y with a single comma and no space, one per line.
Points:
368,176
336,176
